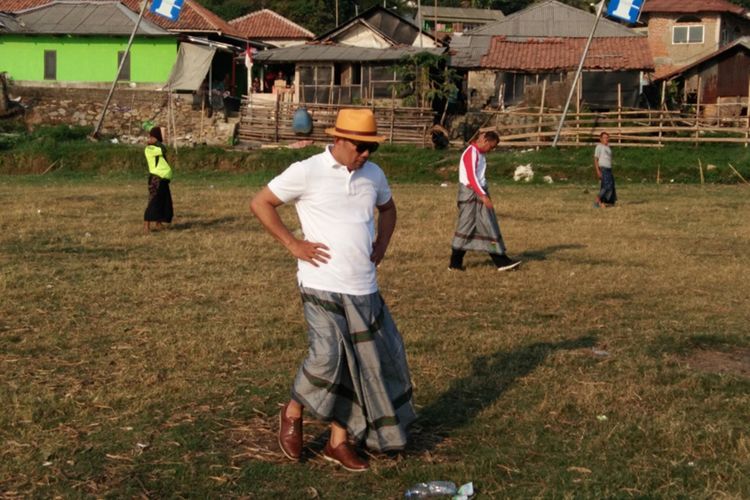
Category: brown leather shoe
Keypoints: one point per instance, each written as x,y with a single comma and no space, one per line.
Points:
290,435
345,456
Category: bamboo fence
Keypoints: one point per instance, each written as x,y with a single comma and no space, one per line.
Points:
627,127
271,121
696,123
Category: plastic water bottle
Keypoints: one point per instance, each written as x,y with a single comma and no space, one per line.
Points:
431,489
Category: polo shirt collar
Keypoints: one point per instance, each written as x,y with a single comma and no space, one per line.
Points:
330,159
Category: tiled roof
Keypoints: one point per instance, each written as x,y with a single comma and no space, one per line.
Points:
193,18
560,54
691,6
267,24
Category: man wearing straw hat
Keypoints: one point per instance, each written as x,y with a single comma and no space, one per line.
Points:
355,374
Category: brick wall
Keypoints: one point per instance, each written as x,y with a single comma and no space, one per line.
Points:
128,110
669,56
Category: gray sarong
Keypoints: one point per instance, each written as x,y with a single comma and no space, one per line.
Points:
477,227
355,372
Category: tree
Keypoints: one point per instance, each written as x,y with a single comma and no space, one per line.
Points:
426,78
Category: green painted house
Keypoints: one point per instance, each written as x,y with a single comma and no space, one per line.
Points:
82,43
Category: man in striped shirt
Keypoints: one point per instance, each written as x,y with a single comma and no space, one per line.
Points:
477,228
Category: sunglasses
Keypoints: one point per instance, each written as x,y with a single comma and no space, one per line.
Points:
365,146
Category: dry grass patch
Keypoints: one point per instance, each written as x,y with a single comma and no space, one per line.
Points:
735,362
134,365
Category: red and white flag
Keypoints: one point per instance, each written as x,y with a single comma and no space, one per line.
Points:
248,57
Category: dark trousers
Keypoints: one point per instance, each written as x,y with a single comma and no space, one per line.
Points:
607,192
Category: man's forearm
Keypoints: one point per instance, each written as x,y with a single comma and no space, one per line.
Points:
386,226
269,217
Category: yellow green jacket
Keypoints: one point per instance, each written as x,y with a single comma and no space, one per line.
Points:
157,162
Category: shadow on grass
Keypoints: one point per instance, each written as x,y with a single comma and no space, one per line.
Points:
543,253
490,377
202,224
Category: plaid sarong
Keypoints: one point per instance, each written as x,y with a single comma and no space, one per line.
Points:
355,372
607,192
477,227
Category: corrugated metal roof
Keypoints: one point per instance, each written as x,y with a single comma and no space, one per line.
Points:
564,54
9,24
86,18
691,6
552,19
268,24
397,29
194,18
334,53
459,14
467,51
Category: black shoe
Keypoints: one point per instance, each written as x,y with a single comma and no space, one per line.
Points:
505,263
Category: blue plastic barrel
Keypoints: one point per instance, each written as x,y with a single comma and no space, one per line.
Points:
302,121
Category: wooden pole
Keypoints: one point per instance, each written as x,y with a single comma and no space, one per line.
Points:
97,129
697,109
393,115
278,106
578,112
700,168
747,107
658,174
541,110
578,73
662,104
203,112
738,174
619,113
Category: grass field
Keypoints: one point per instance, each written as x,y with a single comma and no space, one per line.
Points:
615,363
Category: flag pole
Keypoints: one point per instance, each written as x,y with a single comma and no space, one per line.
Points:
95,133
578,73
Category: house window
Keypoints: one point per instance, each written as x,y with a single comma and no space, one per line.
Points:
50,65
687,34
687,30
125,73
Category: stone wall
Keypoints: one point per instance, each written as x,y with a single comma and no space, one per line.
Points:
128,110
481,88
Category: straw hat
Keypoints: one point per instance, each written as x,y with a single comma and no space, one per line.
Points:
357,125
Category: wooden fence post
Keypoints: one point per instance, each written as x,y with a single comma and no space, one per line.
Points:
697,110
662,105
619,113
541,112
578,111
393,115
747,112
278,107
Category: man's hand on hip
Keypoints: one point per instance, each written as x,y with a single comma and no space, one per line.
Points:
487,202
314,253
378,252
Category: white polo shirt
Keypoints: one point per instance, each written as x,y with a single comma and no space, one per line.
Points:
337,208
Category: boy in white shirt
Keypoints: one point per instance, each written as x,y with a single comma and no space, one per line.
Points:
607,195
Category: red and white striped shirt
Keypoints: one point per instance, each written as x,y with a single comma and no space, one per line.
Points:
471,169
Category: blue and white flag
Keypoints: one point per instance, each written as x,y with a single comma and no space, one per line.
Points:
627,10
167,8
